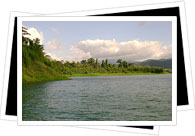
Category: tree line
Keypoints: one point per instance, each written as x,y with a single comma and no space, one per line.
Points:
34,52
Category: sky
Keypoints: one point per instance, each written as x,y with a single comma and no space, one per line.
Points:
127,40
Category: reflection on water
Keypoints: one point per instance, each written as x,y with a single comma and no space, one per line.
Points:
116,98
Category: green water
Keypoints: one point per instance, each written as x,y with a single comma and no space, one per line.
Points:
111,98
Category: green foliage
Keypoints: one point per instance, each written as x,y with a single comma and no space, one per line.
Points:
91,66
91,61
37,67
39,72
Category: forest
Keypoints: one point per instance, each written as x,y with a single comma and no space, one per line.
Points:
38,67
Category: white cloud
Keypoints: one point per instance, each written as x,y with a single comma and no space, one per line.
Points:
54,48
77,55
134,50
51,45
34,34
52,55
41,37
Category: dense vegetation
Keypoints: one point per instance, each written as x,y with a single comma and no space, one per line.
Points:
36,66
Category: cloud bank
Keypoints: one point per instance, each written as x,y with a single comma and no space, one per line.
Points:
134,50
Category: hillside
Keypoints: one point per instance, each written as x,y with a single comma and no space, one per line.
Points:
36,67
164,63
38,72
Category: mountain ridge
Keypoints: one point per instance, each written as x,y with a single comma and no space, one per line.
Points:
164,63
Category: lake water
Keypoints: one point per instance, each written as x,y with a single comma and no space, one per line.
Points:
110,98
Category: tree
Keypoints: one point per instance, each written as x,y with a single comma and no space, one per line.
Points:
124,64
131,64
96,63
106,62
120,62
73,64
91,61
83,62
37,41
67,64
103,64
24,31
48,57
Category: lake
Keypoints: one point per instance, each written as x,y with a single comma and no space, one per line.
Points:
108,98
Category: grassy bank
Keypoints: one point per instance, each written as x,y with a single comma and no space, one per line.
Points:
113,74
39,72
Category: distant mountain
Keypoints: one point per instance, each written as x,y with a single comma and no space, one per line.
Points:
164,63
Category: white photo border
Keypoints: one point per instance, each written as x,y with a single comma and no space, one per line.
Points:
104,123
154,131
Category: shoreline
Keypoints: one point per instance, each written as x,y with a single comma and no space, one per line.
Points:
68,77
46,80
113,74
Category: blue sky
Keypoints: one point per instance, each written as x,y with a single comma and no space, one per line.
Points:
67,36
